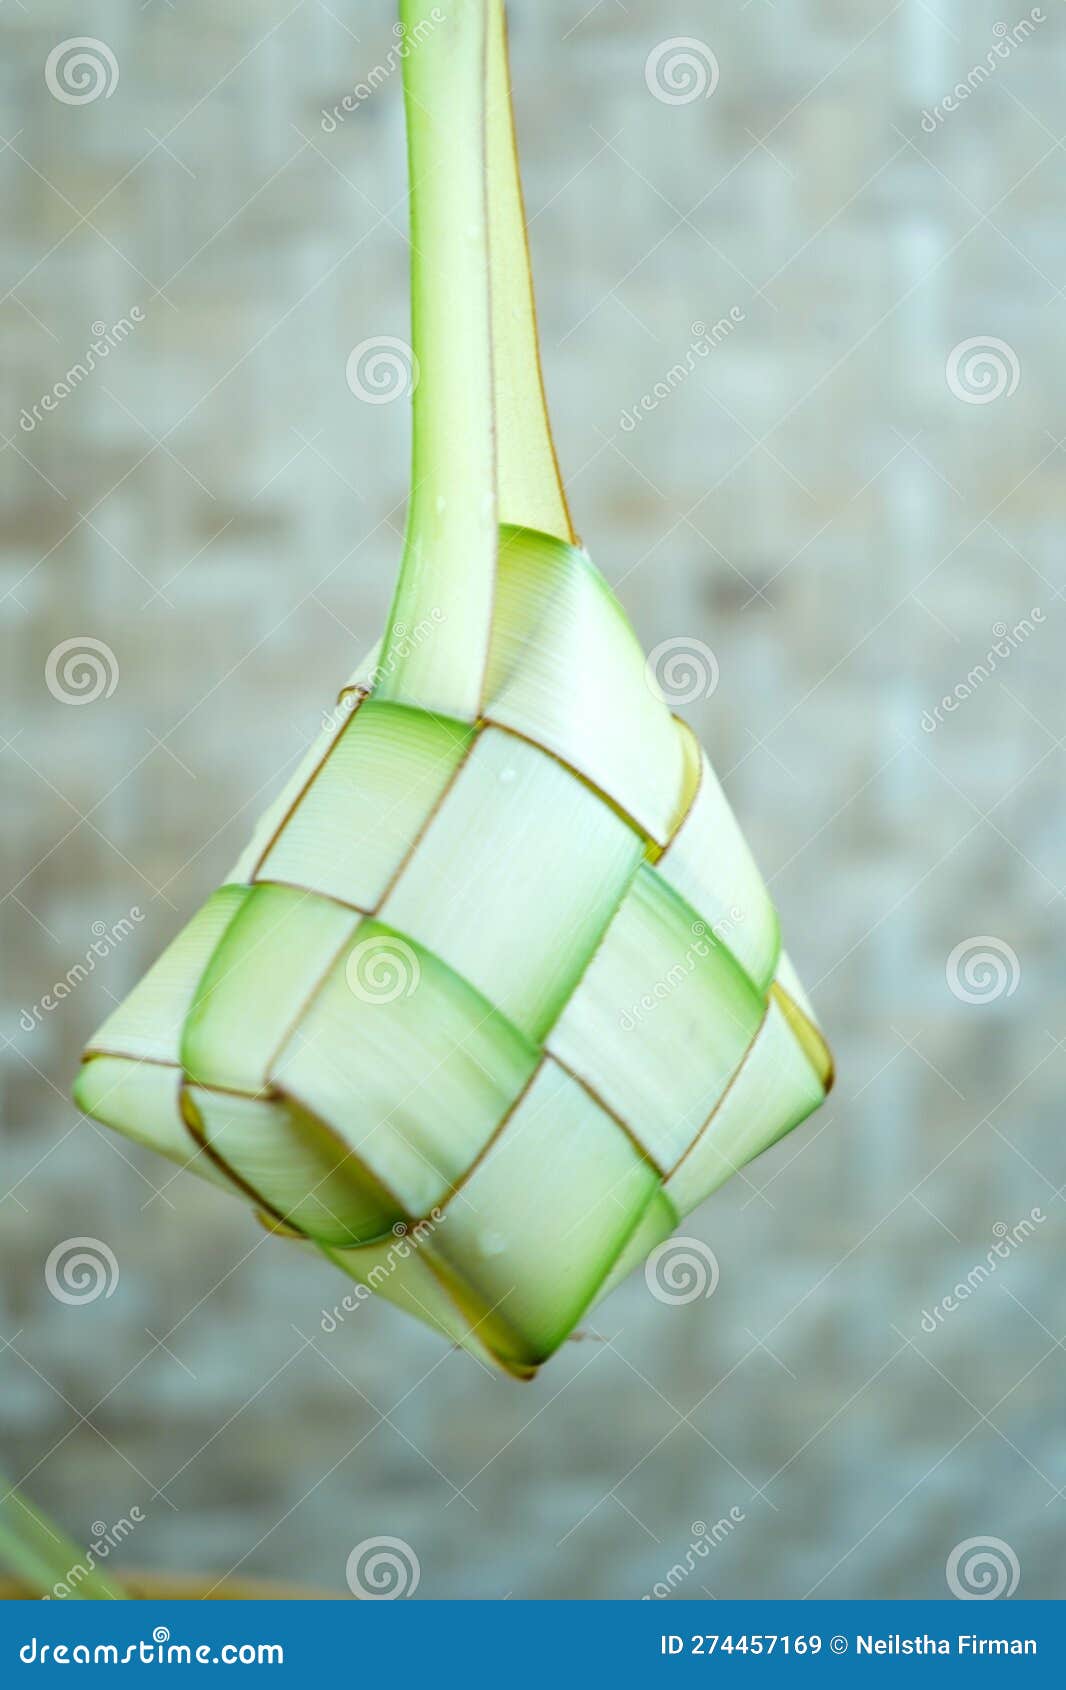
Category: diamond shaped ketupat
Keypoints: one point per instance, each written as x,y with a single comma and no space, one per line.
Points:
497,960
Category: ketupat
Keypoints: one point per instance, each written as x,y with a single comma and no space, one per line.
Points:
495,995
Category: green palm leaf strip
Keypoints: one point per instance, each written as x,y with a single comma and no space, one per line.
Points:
482,447
495,994
39,1556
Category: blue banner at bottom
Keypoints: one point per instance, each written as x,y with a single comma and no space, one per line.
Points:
475,1642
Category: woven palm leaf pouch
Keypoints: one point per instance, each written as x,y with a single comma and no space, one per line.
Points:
495,994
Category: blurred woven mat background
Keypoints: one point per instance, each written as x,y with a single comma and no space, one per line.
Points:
803,328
